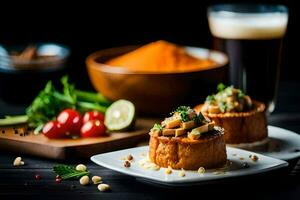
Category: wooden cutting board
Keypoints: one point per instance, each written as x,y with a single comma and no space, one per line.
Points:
17,139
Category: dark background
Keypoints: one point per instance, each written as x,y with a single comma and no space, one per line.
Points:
88,26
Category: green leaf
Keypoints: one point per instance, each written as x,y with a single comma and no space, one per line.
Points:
157,127
221,87
68,172
50,102
240,94
222,106
46,106
210,99
68,89
183,112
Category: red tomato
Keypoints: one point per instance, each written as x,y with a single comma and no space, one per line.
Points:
71,121
93,115
93,128
53,130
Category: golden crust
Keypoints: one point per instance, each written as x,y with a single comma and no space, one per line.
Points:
243,127
181,152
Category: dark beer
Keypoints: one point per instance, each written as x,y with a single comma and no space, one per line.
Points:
253,43
254,66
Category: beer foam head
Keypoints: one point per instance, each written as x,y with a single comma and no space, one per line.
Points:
247,25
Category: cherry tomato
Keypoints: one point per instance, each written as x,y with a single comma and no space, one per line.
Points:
93,115
71,121
93,128
53,130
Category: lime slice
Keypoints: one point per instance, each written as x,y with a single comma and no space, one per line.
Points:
119,115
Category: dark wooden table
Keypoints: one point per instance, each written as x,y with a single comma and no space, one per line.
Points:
19,182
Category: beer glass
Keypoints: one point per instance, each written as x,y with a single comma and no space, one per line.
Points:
251,35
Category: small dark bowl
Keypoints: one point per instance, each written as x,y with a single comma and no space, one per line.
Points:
155,93
20,85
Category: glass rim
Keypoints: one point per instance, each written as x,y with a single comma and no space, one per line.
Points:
239,9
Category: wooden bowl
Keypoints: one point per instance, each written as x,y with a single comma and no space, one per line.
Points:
155,93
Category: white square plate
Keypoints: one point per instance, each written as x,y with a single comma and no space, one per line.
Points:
115,161
283,144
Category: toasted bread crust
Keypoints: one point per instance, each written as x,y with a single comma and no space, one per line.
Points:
181,152
244,127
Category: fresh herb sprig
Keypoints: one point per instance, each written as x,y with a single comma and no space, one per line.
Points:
222,105
183,112
68,172
240,94
157,127
221,87
210,99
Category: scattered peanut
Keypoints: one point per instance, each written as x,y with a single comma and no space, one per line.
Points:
201,170
168,170
96,179
103,187
84,180
81,167
129,157
254,157
127,164
18,161
182,173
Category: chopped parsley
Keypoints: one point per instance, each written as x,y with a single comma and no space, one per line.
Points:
228,99
157,127
221,87
222,106
240,94
210,99
183,111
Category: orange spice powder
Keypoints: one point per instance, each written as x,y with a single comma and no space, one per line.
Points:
160,56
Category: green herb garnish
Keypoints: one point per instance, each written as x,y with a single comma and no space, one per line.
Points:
183,112
157,127
221,87
222,106
228,99
68,172
228,91
240,94
210,99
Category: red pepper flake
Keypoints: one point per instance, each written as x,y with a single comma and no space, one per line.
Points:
37,177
